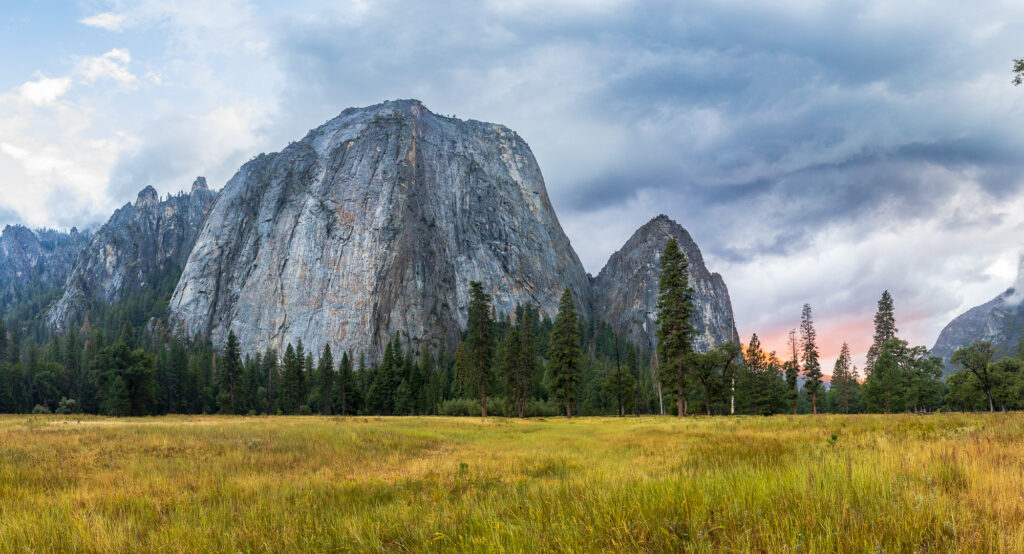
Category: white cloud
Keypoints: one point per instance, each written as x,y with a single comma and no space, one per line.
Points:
112,65
44,91
108,20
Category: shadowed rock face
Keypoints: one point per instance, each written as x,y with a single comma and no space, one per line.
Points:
374,224
137,241
999,321
29,257
626,290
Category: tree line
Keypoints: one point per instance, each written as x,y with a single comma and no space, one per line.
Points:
129,363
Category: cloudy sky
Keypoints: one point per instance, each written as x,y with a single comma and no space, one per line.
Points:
817,151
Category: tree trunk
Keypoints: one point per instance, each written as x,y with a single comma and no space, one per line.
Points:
618,378
568,410
732,396
679,400
636,404
991,405
814,402
661,401
483,399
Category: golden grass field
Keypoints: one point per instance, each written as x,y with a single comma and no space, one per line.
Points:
896,483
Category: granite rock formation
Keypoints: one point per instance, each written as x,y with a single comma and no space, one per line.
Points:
626,290
140,239
373,225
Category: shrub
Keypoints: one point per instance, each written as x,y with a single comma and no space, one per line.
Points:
497,406
68,406
40,409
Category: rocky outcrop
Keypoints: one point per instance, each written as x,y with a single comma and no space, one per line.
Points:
626,290
138,241
999,321
40,258
374,224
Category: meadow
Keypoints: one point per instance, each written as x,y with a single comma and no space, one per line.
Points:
905,483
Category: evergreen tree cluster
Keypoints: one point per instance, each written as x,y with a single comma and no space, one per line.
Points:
123,360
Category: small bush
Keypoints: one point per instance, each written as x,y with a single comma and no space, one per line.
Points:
497,406
40,409
68,406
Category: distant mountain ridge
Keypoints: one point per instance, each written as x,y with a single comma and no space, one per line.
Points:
999,321
140,239
43,257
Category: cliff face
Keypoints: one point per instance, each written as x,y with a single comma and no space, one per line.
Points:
42,257
626,290
374,224
999,321
139,240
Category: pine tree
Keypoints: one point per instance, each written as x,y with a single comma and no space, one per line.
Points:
675,325
479,341
885,329
346,395
270,373
510,364
231,376
115,398
809,356
177,373
565,351
844,382
383,382
325,380
292,382
426,371
526,371
885,389
403,398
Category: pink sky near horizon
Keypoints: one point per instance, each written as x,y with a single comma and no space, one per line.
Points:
856,329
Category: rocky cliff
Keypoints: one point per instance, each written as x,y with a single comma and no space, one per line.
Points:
140,239
41,258
626,290
999,321
374,224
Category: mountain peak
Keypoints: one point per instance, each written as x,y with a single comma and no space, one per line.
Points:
414,206
147,197
627,287
199,184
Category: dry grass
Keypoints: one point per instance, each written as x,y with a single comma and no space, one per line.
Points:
810,484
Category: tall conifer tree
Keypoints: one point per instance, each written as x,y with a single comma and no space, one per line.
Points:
325,380
565,352
885,329
480,341
230,376
809,356
844,381
675,325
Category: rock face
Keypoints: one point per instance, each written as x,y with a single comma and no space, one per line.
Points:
374,224
41,258
626,290
999,321
139,240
